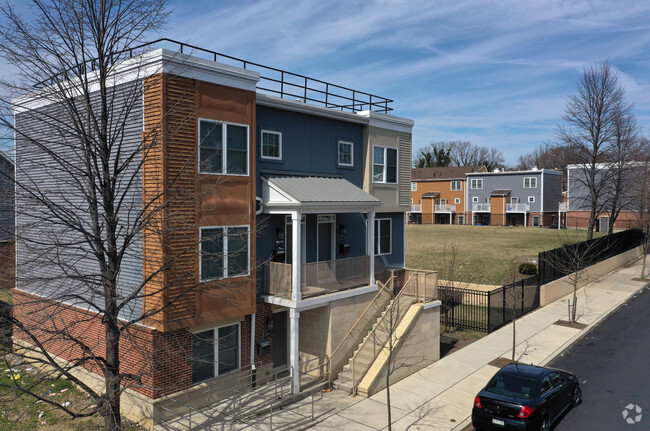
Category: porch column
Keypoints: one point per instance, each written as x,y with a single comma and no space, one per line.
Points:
296,258
294,352
525,219
370,245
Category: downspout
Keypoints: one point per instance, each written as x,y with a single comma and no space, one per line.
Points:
253,340
541,207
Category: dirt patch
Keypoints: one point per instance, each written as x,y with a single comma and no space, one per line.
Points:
453,341
570,324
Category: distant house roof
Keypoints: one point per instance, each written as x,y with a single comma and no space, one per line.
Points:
446,173
430,194
500,192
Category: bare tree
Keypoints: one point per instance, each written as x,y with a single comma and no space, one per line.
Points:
547,156
641,178
458,153
85,215
589,126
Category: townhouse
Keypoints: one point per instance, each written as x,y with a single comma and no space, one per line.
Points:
575,206
514,198
298,200
439,194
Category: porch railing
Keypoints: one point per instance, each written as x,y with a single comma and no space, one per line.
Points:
562,206
518,208
481,207
318,278
445,208
416,208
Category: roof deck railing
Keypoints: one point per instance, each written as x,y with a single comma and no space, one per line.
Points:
273,81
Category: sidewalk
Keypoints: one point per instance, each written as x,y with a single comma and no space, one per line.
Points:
440,396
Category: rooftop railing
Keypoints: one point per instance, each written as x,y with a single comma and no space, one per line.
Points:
286,85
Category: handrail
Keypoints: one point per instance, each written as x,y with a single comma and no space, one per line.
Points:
377,325
374,102
345,337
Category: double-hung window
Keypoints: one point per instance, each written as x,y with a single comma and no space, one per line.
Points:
215,352
271,145
476,183
384,168
345,154
224,252
382,236
223,148
456,185
530,182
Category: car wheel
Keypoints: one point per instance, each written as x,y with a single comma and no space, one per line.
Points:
576,397
546,424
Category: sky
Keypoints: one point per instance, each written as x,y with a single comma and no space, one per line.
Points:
495,73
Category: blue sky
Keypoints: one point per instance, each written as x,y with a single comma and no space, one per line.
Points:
496,73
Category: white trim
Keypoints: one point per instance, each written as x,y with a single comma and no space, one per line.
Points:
456,201
338,154
318,301
224,147
270,132
460,186
474,199
225,252
531,199
530,182
472,183
387,121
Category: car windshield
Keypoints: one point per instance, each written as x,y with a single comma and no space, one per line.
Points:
512,386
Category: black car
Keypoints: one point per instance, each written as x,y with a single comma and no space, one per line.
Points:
525,397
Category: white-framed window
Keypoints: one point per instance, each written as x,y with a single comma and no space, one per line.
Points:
215,352
456,201
224,252
384,165
271,145
383,236
223,148
475,199
456,185
414,186
513,201
531,199
530,182
476,183
346,153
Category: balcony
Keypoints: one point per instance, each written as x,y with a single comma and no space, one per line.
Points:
318,278
481,208
518,208
445,208
416,208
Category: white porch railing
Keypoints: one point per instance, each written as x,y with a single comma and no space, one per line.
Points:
518,208
416,208
562,206
445,208
318,278
481,207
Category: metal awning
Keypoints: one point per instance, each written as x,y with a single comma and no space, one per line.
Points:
314,195
500,192
430,195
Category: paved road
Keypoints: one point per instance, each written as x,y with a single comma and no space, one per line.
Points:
613,364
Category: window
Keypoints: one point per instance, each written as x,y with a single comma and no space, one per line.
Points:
346,157
456,201
382,236
215,352
384,165
476,183
531,199
513,201
461,219
414,187
530,182
456,185
535,220
475,199
224,252
271,145
213,157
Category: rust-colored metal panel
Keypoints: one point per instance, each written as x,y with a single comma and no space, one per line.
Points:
183,200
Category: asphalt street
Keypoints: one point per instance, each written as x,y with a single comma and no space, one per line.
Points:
613,364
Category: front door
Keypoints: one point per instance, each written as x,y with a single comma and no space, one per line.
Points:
279,339
325,237
604,224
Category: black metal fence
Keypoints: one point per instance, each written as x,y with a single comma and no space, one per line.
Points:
486,311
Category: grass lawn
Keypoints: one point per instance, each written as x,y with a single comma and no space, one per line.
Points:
485,254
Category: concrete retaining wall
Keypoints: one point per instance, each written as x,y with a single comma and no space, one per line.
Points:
557,289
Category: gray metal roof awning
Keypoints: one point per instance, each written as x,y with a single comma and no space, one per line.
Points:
430,195
500,192
315,195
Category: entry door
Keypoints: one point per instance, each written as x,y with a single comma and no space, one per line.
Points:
326,225
604,224
280,339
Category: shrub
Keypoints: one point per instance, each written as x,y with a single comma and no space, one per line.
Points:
528,268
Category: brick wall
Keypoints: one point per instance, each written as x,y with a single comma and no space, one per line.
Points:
7,264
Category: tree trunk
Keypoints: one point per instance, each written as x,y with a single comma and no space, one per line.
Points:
111,408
